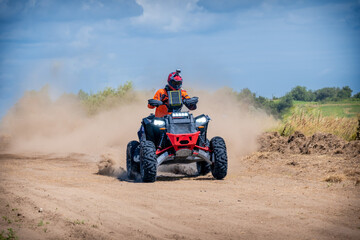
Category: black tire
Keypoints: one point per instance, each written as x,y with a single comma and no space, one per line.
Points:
132,168
148,162
219,158
203,168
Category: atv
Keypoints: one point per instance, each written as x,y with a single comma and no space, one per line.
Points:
175,138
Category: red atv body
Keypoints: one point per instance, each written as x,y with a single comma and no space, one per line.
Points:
173,139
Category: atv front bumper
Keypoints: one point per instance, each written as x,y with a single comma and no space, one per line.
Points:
184,156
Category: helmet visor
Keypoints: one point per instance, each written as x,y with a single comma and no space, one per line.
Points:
176,84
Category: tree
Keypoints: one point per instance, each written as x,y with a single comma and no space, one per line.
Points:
344,93
357,95
285,103
311,96
246,94
83,95
326,94
299,93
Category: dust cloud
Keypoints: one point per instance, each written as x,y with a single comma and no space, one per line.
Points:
237,122
36,123
109,167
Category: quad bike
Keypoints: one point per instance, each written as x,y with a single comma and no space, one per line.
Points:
175,138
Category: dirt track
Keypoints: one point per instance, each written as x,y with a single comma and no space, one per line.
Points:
266,195
297,187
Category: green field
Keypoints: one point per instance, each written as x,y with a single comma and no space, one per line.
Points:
338,118
348,109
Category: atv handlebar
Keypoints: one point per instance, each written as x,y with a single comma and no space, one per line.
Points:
191,101
155,103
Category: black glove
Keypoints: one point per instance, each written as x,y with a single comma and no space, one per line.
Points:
155,103
190,103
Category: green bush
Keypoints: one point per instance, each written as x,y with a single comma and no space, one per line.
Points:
275,106
357,95
107,98
284,104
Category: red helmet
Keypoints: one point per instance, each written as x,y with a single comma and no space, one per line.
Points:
175,80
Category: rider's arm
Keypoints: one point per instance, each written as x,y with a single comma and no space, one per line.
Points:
157,96
184,94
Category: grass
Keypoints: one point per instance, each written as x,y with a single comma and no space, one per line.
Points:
345,108
78,222
349,110
334,179
6,219
41,223
309,120
9,235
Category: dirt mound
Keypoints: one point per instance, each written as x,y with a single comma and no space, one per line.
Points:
319,143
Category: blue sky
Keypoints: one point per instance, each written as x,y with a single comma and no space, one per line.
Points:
266,46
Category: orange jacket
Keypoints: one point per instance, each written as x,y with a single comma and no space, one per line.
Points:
162,95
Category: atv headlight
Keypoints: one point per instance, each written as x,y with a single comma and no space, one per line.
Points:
159,123
180,114
201,120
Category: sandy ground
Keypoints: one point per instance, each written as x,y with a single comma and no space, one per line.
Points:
295,187
266,195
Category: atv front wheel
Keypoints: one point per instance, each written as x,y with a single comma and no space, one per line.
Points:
132,167
219,158
203,168
148,162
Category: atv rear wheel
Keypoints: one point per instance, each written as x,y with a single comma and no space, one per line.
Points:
148,162
203,168
132,167
219,157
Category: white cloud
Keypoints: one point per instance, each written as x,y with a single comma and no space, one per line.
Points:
87,5
172,15
296,18
83,37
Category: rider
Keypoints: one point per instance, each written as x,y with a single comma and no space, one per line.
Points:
174,84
